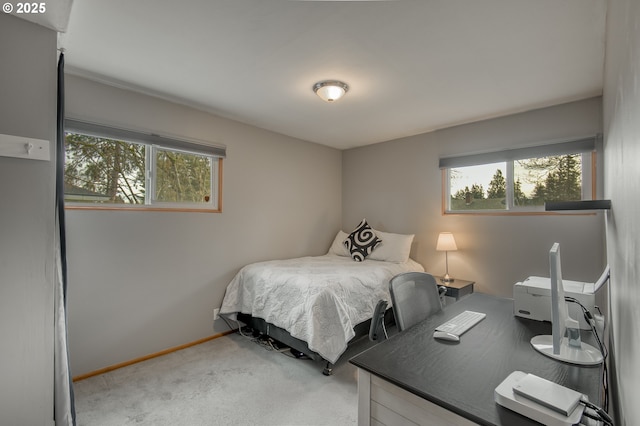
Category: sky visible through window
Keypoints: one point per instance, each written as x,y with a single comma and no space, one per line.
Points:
463,177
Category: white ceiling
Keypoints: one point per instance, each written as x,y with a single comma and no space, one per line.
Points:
412,65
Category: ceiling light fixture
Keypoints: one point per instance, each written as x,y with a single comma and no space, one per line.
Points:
330,90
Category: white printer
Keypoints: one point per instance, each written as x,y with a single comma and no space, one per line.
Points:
532,299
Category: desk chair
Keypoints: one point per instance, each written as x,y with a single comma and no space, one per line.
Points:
377,322
415,296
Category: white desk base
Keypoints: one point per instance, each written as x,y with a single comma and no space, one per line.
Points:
383,403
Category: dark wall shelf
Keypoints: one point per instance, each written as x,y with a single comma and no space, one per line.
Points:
578,205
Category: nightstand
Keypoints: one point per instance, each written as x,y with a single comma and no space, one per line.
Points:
457,288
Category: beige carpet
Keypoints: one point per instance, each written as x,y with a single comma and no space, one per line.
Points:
231,380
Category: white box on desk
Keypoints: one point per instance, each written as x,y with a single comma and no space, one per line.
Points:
532,299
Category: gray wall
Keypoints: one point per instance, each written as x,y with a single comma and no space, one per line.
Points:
397,186
622,158
27,108
141,282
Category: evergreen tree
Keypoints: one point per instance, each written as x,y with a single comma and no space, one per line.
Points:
477,191
497,186
519,197
461,193
539,193
563,183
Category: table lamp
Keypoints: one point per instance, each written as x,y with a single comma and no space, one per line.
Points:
446,243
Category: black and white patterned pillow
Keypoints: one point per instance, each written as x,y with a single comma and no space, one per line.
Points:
361,242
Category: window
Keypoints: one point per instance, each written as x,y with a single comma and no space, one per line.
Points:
520,180
113,168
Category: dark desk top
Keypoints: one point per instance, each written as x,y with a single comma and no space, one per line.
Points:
461,376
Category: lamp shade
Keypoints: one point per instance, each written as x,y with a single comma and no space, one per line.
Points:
446,242
330,90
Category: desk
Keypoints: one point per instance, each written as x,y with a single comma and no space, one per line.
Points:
438,382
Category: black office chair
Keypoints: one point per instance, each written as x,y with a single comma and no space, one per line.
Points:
415,296
377,322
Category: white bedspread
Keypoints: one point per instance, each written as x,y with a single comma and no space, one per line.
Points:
316,299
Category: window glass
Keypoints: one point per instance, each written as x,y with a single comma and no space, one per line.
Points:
182,177
104,171
519,185
108,172
480,187
555,178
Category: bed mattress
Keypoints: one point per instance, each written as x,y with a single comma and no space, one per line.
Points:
317,299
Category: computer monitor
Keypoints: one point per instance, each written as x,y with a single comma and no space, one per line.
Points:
558,346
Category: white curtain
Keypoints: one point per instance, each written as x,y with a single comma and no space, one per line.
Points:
64,409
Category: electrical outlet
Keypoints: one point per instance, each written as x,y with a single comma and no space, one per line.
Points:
216,313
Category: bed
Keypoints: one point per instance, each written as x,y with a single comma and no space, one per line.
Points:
318,304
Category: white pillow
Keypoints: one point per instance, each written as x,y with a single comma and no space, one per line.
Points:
337,247
393,248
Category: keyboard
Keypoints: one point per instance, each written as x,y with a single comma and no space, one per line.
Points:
459,324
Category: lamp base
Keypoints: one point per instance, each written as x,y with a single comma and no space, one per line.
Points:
447,279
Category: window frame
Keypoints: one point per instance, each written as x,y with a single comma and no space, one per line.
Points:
152,143
587,147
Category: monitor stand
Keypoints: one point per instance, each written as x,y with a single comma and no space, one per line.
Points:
585,355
